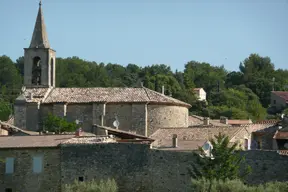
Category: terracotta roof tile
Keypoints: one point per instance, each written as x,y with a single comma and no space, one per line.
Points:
33,141
269,127
281,135
163,136
283,152
239,122
117,95
282,94
194,120
268,121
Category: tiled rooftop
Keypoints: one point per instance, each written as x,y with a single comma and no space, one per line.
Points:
282,94
49,140
99,94
189,137
33,141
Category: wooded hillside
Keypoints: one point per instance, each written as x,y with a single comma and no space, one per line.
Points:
238,94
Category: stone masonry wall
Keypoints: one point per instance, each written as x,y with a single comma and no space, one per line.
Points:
136,167
20,115
23,178
166,116
82,112
32,118
99,113
139,118
123,113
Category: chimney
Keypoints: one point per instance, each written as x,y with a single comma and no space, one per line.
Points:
206,121
175,141
224,120
163,90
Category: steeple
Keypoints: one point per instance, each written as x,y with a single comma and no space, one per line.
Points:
40,37
39,58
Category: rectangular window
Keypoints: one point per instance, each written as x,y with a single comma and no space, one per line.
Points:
274,102
37,164
9,165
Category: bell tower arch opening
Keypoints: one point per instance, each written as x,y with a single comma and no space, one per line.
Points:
36,71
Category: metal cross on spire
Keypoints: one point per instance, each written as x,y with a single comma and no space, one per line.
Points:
40,2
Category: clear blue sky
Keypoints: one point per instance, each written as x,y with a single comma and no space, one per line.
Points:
152,31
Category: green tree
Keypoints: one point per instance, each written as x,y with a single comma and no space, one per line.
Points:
223,164
56,124
10,79
5,110
258,73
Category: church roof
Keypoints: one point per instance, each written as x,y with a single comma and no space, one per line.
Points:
40,37
99,95
110,95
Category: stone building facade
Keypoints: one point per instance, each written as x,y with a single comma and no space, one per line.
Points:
139,110
30,163
134,166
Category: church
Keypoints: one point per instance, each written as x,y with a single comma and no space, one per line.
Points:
139,110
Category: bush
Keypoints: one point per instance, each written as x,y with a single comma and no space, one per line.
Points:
53,123
92,186
5,110
203,185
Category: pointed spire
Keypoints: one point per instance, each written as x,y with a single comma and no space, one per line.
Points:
40,37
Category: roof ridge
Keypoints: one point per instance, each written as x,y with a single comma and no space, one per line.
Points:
165,96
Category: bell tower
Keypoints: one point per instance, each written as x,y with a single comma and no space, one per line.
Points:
39,58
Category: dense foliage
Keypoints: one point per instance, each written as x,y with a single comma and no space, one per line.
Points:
5,110
92,186
238,94
223,164
203,185
56,124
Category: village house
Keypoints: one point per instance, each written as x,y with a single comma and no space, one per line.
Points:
200,93
189,139
33,163
194,120
279,100
140,110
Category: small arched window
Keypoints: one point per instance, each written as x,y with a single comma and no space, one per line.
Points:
36,71
52,72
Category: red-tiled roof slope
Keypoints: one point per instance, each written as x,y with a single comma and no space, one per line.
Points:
282,94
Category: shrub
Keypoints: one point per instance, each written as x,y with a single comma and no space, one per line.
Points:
5,110
236,185
53,123
92,186
225,163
